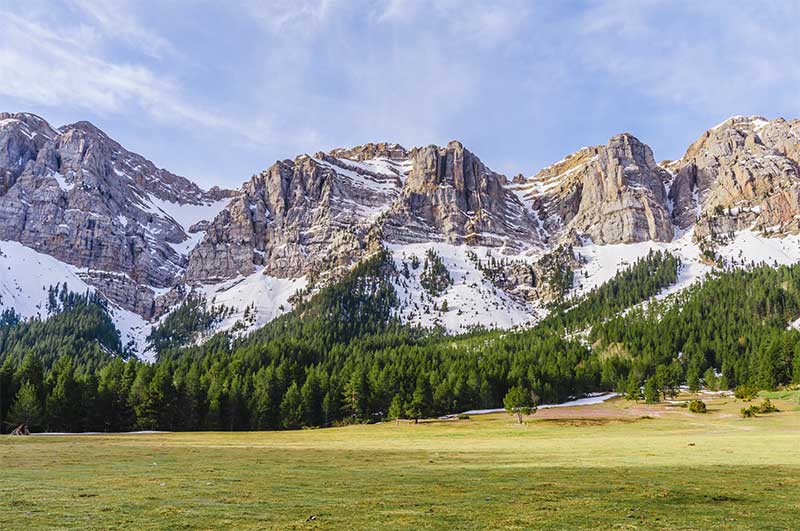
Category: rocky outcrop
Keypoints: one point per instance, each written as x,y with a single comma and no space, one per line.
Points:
741,174
450,195
22,136
301,216
120,288
77,195
546,279
611,194
144,236
312,215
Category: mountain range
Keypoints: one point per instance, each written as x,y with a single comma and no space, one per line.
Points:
77,208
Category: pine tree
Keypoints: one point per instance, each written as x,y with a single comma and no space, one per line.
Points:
63,406
27,410
651,392
292,413
519,401
397,408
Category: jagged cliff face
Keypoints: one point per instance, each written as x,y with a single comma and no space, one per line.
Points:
300,216
77,195
741,174
312,215
141,235
610,194
451,196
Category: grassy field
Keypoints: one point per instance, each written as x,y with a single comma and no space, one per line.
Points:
611,466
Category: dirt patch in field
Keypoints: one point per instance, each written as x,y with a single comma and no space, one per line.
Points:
579,422
617,410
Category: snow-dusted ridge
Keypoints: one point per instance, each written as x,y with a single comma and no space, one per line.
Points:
354,193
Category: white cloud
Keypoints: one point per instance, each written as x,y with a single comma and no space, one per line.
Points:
116,20
58,67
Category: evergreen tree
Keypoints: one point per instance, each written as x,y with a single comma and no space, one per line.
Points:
27,410
519,401
292,407
651,392
63,406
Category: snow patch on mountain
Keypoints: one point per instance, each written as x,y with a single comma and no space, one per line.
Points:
25,276
387,186
381,165
268,298
748,246
472,300
188,214
604,261
62,182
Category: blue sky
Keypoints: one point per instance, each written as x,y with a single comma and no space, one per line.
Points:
217,91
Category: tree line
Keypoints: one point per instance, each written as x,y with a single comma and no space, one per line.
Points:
342,357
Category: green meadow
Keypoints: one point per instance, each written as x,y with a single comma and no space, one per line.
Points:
618,465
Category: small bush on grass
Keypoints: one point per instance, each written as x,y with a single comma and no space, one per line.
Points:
697,406
767,406
745,392
749,412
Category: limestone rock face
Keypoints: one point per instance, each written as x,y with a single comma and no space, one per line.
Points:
301,216
77,195
742,174
22,136
611,194
144,236
314,215
450,195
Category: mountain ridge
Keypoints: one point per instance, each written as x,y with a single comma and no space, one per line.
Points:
147,237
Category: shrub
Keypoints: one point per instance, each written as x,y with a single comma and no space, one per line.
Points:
697,406
745,392
767,406
748,412
462,416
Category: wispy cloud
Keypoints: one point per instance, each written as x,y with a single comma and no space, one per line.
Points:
116,20
64,67
706,55
357,71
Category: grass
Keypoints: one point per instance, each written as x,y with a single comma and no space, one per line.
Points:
612,466
791,396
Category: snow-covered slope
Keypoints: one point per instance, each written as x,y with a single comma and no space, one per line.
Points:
260,296
471,299
25,276
186,215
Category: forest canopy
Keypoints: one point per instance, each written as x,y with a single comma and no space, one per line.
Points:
342,357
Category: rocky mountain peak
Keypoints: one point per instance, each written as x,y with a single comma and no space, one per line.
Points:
82,198
302,216
85,145
610,194
369,151
22,136
450,195
748,164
